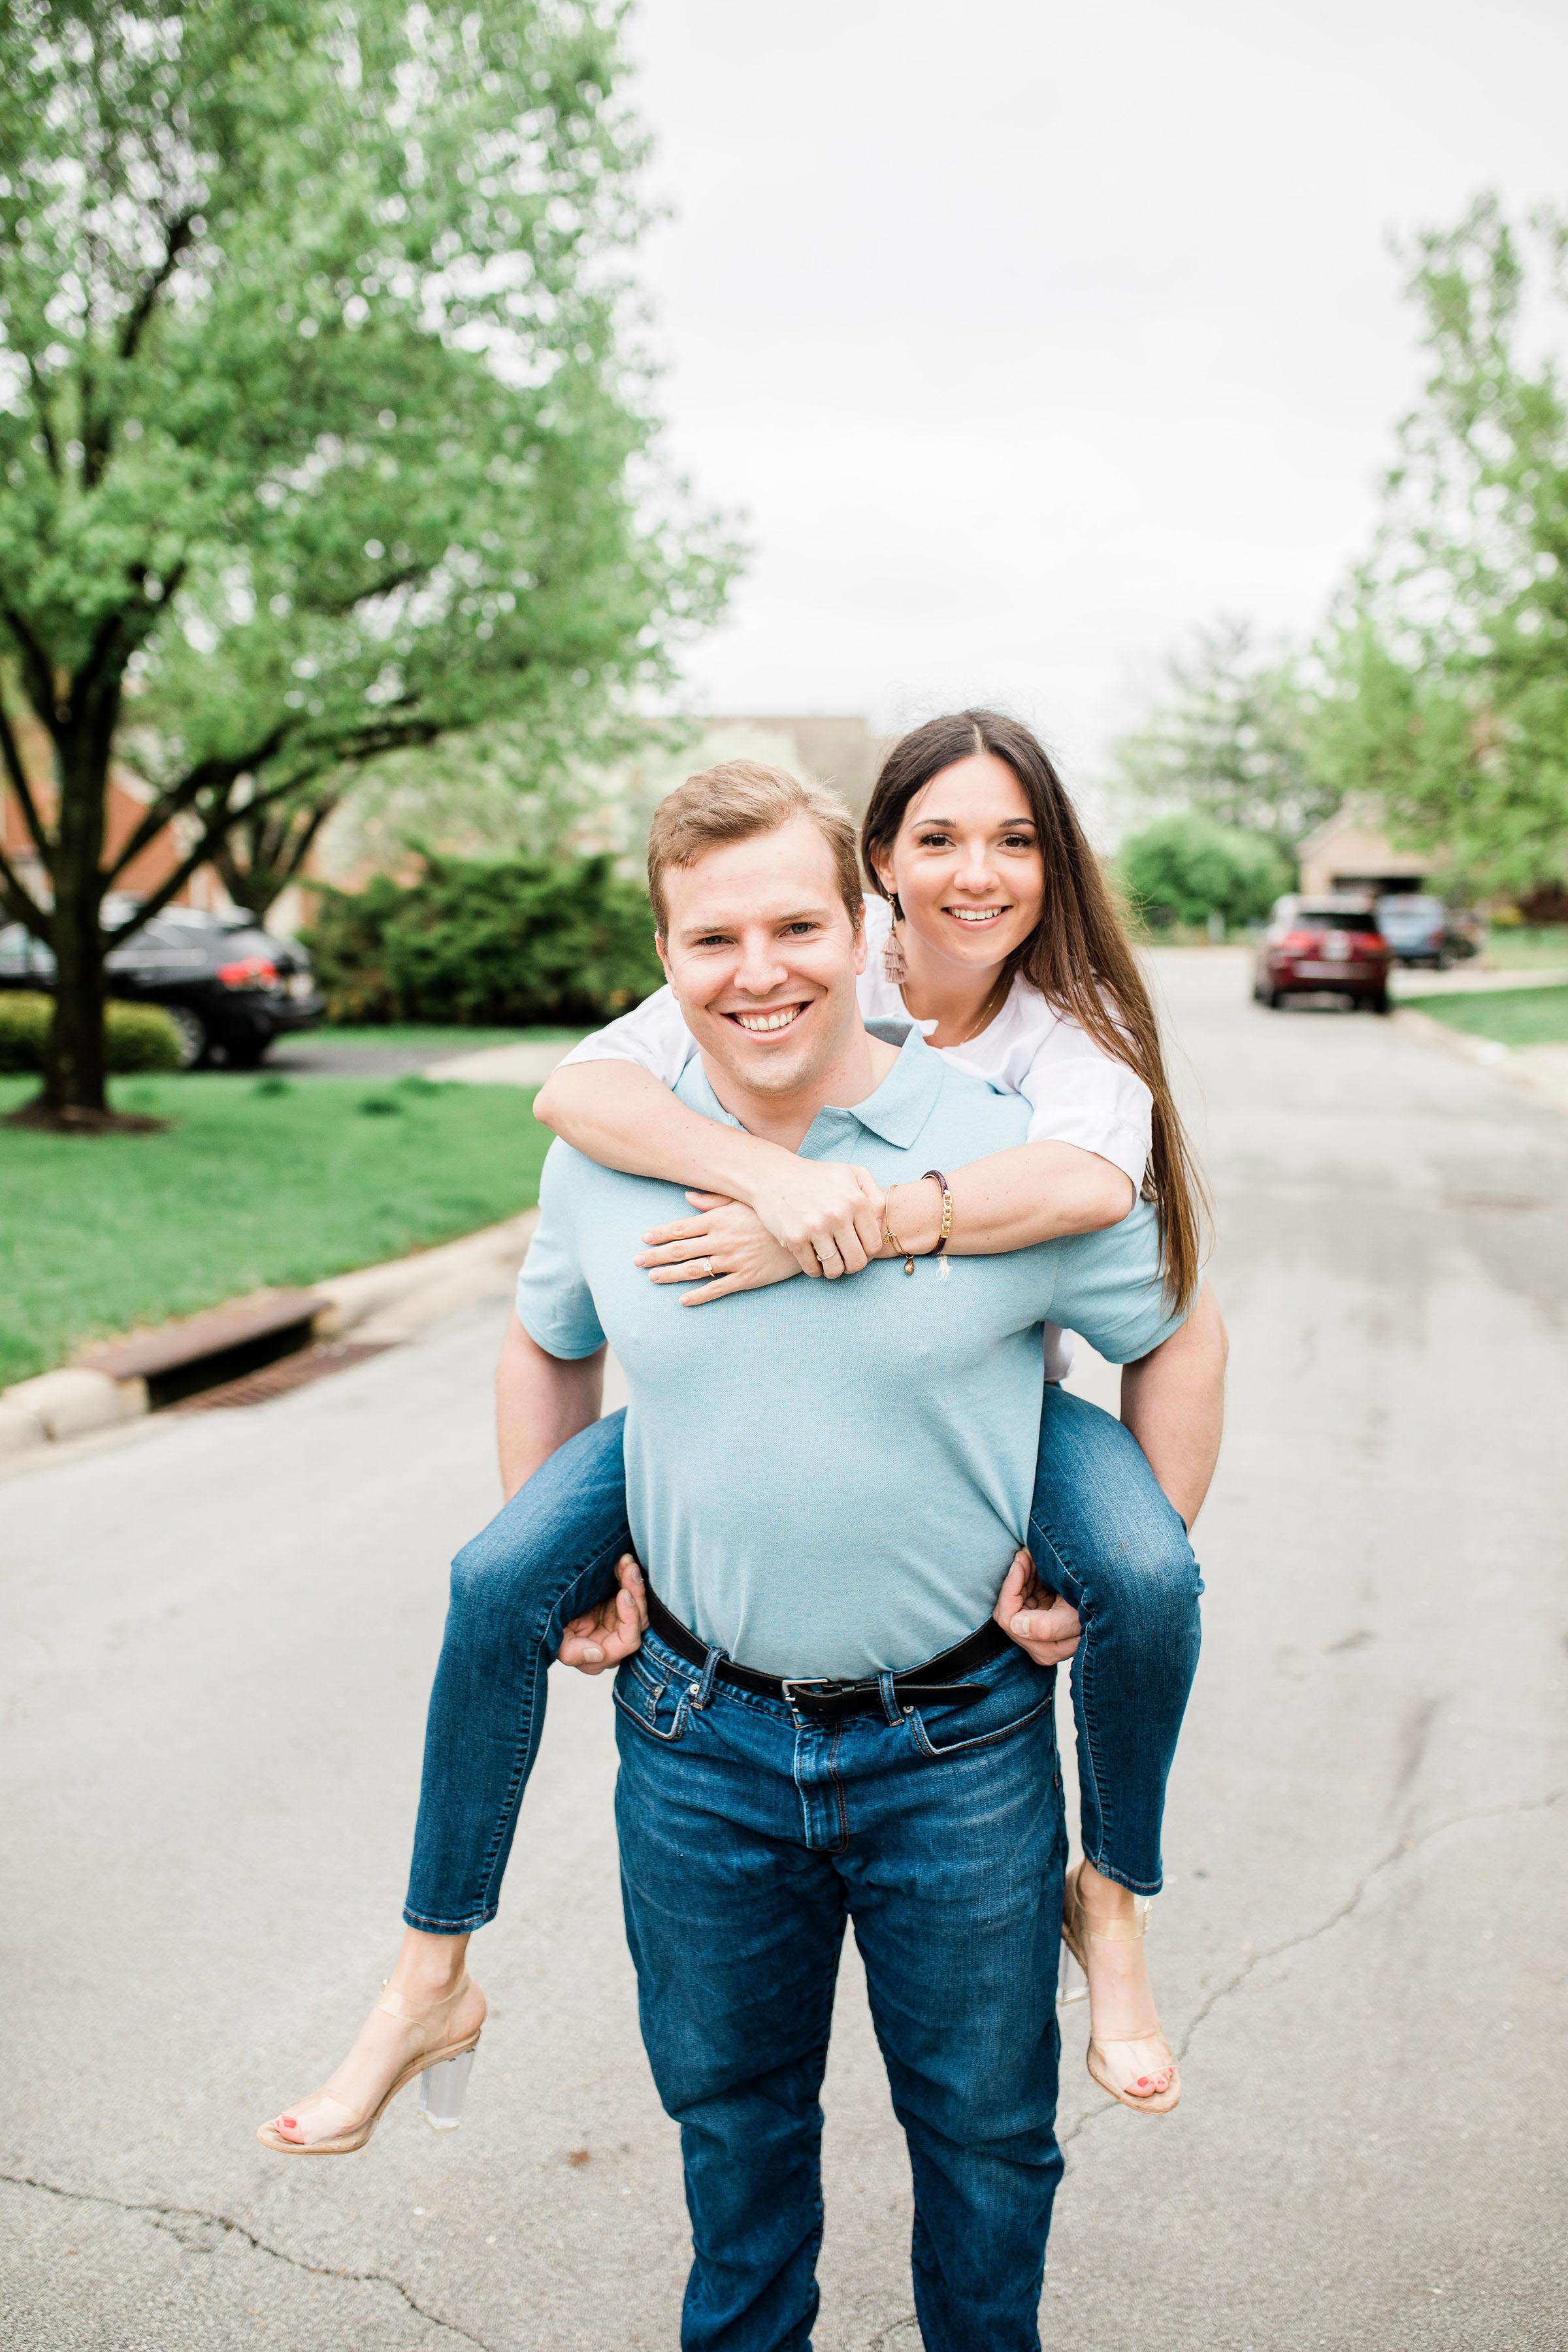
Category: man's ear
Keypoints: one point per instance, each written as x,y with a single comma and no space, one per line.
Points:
659,945
861,946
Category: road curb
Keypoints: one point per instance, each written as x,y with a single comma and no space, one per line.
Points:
391,1301
1484,1052
382,1303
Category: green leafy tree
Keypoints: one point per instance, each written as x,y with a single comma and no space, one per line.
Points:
1182,870
318,437
1229,738
1447,686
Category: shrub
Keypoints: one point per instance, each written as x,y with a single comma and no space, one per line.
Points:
1184,869
492,944
135,1037
141,1037
24,1028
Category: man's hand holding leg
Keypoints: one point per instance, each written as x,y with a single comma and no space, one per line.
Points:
612,1631
1037,1619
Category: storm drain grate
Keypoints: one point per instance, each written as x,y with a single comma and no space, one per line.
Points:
296,1371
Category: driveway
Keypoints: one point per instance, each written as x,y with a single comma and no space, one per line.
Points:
220,1630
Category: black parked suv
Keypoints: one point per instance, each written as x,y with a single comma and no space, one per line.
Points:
230,987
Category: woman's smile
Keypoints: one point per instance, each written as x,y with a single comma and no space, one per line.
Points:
976,918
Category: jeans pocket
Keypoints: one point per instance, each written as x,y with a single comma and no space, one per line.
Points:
655,1703
1015,1694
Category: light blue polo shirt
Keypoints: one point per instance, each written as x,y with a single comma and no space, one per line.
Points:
829,1478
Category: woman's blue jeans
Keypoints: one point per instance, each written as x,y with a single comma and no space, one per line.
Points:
1101,1533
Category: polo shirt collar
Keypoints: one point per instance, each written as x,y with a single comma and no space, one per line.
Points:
901,1106
896,1110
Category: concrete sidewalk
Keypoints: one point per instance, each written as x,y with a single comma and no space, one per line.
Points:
502,1066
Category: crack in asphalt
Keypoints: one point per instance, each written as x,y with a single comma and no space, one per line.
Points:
1309,1934
908,2319
169,2217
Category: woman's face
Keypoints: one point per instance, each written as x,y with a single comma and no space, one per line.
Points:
966,864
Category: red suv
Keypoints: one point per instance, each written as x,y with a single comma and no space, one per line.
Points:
1313,944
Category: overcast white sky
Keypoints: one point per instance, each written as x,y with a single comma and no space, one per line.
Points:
1028,337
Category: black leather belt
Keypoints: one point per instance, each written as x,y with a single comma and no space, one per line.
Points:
936,1684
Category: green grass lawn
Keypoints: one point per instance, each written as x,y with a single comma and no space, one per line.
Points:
409,1037
259,1180
1514,1016
1523,947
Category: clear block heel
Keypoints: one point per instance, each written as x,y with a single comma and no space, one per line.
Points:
442,2090
1071,1983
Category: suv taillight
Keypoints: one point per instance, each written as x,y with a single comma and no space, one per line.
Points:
1300,943
250,972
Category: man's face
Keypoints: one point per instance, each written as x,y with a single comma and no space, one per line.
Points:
764,957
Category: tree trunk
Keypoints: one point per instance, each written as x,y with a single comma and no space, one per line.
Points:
74,1069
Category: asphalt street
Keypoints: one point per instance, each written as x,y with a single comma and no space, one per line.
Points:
217,1639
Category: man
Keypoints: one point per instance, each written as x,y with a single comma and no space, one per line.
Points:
826,1501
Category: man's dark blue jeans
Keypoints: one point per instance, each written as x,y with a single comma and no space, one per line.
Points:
749,1833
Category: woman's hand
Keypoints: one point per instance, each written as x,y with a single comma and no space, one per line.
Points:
1038,1620
612,1631
826,1213
725,1247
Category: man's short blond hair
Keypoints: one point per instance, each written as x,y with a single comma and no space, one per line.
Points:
734,801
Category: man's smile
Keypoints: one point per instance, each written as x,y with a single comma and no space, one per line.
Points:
767,1024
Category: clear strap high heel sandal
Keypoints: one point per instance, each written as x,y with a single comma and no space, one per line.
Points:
1076,1936
444,2073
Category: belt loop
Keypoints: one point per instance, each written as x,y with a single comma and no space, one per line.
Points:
890,1706
705,1687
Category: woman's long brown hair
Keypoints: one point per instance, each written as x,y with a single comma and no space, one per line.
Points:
1078,955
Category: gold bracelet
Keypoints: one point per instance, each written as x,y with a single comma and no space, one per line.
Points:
890,1237
935,1176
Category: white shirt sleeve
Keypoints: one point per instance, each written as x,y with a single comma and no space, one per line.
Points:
653,1033
1079,1094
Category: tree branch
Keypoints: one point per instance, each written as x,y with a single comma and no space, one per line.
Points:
98,434
16,776
41,401
177,238
99,655
387,735
335,607
175,800
217,775
37,672
20,902
156,901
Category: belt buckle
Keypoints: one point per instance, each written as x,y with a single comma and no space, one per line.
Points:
815,1684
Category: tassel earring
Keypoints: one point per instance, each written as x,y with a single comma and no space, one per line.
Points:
893,963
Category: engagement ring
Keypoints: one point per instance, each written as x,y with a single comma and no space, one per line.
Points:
707,1269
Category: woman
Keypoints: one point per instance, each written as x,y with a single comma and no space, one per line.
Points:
993,928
